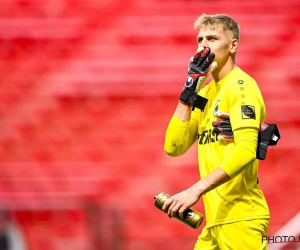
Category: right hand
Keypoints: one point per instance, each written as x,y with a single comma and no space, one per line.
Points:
200,67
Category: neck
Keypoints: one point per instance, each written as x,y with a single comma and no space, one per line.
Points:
223,71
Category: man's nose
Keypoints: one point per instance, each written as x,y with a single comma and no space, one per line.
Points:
204,43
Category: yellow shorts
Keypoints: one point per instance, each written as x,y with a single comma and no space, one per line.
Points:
245,235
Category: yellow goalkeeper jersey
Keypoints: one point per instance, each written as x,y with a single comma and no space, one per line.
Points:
241,198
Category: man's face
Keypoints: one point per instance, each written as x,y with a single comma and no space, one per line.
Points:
218,42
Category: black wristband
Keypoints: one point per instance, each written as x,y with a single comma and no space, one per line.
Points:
191,98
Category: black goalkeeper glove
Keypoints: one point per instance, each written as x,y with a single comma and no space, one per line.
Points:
267,136
200,67
222,127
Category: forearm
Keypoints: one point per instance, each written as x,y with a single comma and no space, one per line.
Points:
243,153
181,132
228,170
183,112
214,179
183,129
187,198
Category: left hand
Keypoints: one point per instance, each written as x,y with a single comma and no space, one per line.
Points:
180,202
223,129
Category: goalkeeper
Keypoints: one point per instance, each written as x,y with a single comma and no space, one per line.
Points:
237,213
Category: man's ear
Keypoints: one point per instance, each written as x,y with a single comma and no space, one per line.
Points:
234,45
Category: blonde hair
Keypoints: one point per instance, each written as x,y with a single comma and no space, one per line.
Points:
228,24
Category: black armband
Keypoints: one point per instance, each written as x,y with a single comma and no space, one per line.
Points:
191,98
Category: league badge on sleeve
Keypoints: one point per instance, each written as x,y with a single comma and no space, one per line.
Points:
248,112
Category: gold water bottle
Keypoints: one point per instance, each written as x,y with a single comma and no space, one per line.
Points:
191,217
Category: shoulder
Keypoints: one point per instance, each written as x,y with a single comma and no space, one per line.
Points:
241,77
240,80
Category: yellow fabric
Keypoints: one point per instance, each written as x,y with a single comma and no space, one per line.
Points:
241,198
180,136
246,235
244,151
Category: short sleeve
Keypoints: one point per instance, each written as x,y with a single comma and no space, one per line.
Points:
247,107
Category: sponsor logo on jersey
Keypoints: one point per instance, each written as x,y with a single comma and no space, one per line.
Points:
207,136
248,112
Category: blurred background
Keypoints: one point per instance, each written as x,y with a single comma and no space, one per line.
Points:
87,88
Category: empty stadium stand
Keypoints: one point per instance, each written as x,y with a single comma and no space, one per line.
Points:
86,93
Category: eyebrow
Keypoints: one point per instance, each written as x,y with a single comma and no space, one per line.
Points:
198,37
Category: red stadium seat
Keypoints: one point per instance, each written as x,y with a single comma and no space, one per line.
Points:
86,96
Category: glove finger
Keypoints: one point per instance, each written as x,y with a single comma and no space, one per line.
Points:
202,79
210,58
222,129
198,53
203,57
220,123
206,65
221,114
224,137
205,52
